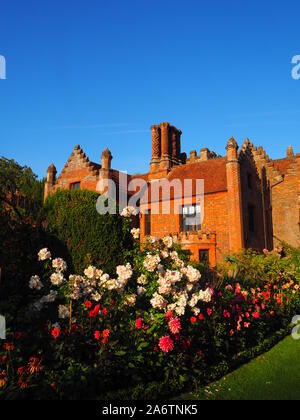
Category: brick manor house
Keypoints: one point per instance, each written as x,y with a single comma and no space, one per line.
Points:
250,200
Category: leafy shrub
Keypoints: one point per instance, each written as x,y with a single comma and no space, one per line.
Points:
253,268
91,238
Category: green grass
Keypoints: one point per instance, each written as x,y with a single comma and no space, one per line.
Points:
271,376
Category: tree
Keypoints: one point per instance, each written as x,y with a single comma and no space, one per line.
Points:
21,193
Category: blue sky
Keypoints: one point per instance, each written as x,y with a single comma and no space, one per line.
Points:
100,73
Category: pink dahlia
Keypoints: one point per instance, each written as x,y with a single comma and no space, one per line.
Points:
175,325
166,344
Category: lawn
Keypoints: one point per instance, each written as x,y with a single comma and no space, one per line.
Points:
273,375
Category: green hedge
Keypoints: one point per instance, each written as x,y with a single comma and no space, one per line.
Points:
91,239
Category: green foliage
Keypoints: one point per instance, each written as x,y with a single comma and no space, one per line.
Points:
91,239
21,192
253,268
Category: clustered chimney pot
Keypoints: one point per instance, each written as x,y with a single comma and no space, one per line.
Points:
204,154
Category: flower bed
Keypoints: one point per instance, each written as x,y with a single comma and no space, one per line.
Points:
156,320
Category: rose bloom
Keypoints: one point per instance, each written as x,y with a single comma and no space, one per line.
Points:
226,314
130,300
55,332
105,333
201,317
135,233
88,304
90,272
168,241
44,254
166,344
151,262
97,335
209,311
193,319
9,346
255,315
129,211
175,325
57,279
35,283
94,312
59,264
139,323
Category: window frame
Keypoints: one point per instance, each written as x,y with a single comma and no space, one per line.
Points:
190,211
72,184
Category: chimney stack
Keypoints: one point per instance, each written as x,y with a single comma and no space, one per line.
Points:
50,181
204,154
156,146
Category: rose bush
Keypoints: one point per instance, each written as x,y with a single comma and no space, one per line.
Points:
155,319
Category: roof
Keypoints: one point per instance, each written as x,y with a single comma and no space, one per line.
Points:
282,165
212,171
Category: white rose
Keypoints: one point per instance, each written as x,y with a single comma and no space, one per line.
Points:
35,283
44,254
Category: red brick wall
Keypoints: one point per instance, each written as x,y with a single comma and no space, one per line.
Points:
215,223
77,169
253,196
286,209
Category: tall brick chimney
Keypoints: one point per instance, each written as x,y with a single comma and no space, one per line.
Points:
175,145
234,197
156,147
50,181
165,162
166,149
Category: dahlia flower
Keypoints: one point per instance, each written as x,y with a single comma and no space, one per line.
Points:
166,344
175,325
